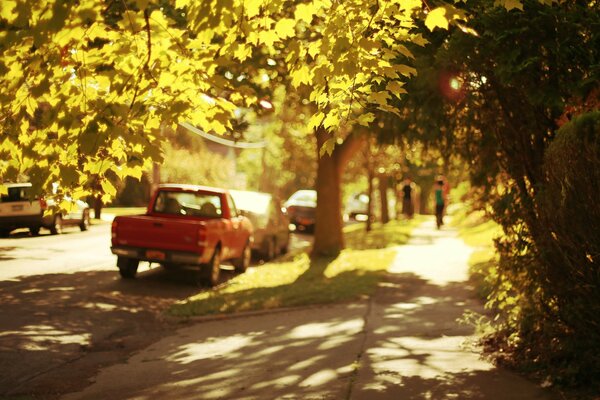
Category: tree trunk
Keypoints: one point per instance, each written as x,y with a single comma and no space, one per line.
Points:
328,237
97,207
370,177
383,186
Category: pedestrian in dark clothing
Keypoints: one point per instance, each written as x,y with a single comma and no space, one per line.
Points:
408,189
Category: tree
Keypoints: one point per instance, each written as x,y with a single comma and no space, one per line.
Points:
87,86
510,77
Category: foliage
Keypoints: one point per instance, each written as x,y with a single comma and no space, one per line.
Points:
517,73
195,163
286,163
302,281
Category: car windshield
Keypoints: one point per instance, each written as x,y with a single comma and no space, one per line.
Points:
195,204
254,202
304,196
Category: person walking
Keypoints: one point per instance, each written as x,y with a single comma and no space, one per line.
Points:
440,192
408,189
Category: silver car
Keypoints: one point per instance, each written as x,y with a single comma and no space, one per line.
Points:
18,209
271,233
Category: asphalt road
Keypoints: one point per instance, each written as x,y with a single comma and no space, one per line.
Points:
65,313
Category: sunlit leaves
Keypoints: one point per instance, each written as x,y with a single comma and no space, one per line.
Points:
509,4
304,12
437,19
285,28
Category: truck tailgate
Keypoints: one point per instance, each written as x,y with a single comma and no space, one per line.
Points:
154,232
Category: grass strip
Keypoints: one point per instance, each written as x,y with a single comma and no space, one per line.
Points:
305,281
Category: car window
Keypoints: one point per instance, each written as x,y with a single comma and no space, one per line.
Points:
195,204
254,202
304,196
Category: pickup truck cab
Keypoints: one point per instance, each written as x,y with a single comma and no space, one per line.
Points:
184,225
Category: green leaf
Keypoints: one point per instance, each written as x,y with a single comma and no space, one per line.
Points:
332,120
242,52
509,4
315,120
268,37
252,7
285,28
300,76
108,188
395,88
437,19
379,97
182,3
366,119
327,147
305,12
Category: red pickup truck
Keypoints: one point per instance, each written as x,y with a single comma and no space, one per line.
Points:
184,225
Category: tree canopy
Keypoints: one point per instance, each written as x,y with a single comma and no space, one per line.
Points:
86,86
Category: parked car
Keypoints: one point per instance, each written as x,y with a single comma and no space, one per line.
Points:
184,225
19,209
357,207
271,225
301,209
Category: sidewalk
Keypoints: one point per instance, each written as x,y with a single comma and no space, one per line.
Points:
403,343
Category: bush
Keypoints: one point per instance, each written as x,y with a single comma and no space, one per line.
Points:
546,294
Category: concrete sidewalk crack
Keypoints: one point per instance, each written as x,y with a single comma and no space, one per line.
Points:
363,343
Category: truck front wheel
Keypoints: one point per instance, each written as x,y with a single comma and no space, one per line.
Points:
211,272
127,267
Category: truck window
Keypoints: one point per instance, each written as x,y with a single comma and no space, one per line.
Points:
194,204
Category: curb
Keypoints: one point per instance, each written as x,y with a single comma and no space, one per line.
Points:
254,313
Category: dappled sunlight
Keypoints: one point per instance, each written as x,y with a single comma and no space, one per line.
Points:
318,330
312,351
322,377
62,321
43,337
198,351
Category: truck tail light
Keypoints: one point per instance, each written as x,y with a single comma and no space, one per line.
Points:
43,204
202,236
113,229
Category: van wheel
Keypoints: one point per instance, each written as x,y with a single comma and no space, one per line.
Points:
34,230
4,233
57,226
211,272
127,267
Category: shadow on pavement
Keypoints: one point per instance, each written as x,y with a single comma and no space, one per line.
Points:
58,325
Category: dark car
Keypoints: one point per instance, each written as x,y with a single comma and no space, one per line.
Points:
18,209
301,208
271,232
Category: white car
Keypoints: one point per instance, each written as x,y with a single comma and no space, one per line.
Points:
19,210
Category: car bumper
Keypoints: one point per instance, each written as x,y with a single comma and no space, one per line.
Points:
21,221
160,256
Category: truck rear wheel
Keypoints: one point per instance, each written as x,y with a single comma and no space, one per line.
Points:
211,272
127,267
